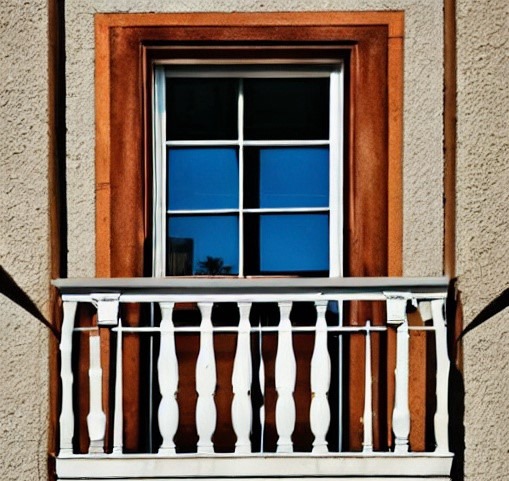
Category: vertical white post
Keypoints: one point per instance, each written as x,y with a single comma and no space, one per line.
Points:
336,172
240,123
441,416
160,174
206,382
67,413
401,413
367,442
242,415
286,371
319,415
340,377
96,419
118,415
261,377
168,377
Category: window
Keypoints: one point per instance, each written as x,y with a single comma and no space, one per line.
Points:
368,48
248,161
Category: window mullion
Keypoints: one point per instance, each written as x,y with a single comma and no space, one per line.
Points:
240,122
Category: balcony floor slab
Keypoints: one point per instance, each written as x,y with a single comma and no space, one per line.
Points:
347,466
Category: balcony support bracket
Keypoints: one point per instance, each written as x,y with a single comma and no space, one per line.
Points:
107,308
397,306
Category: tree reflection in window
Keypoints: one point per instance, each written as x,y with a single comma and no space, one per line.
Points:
213,266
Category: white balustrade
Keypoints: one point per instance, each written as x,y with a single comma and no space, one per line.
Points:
401,413
441,420
206,382
241,382
367,417
261,378
96,419
431,305
118,413
67,412
286,372
167,374
319,416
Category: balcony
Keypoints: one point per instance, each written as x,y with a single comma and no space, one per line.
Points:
254,378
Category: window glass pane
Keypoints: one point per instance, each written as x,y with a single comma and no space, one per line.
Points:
286,177
286,108
207,245
201,108
203,178
287,244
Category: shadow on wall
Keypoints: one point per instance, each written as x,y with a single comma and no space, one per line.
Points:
456,385
456,418
10,289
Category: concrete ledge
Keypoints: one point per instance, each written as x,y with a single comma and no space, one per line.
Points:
347,466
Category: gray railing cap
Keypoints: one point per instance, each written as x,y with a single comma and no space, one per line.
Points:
177,285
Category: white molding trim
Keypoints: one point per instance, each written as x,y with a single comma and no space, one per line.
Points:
387,465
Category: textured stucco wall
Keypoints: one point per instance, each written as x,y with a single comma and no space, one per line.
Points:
23,237
483,228
423,116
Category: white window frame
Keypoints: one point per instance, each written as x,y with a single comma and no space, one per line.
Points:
334,71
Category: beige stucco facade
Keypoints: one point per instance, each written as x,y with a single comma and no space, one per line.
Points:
24,235
482,195
483,228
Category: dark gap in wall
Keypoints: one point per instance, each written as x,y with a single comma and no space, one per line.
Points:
57,203
59,126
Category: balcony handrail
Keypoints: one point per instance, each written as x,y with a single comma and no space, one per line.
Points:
435,287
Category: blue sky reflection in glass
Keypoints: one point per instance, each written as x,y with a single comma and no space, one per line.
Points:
212,236
203,178
294,242
294,177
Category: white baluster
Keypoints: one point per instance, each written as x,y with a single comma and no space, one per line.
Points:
206,382
286,371
168,376
261,377
441,416
319,415
242,415
96,419
401,413
367,443
118,417
67,413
